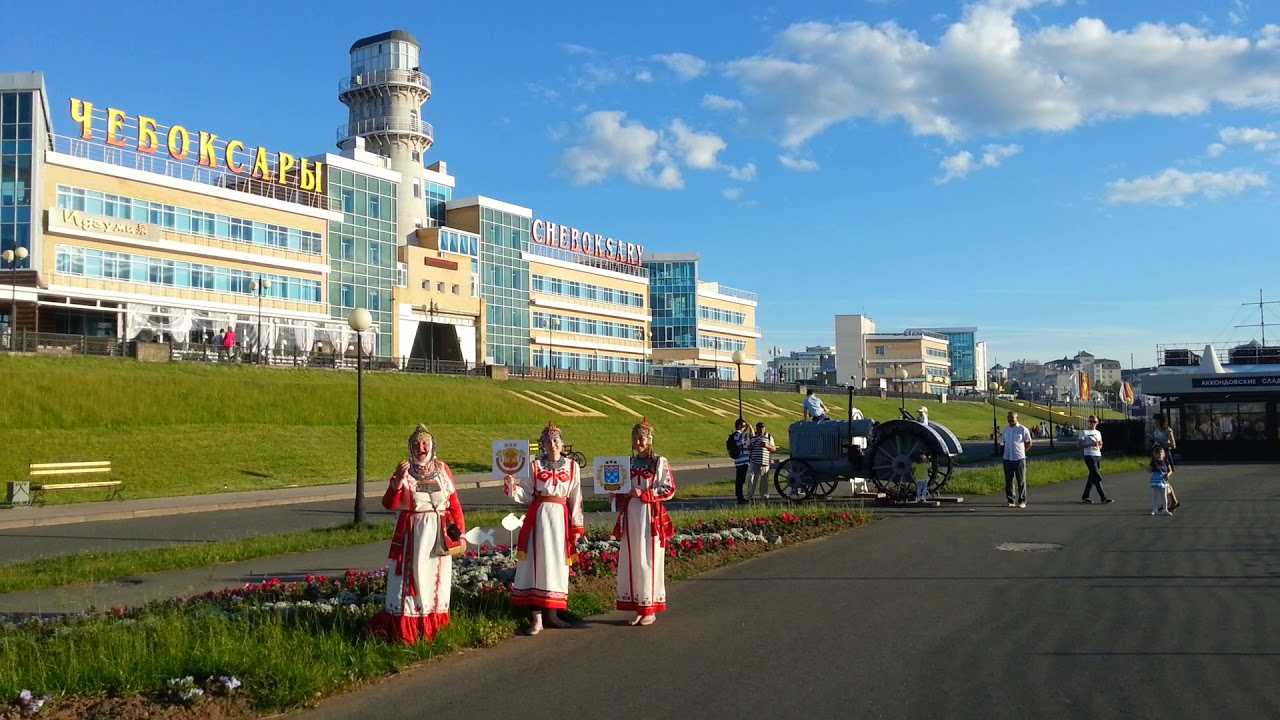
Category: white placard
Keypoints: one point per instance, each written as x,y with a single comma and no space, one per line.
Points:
510,457
612,474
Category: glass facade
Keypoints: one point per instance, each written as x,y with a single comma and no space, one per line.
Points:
585,291
719,344
589,362
962,349
728,317
362,250
588,326
437,196
673,300
143,270
15,171
187,221
505,287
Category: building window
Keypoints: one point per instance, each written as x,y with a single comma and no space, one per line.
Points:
880,350
456,289
439,287
426,285
417,187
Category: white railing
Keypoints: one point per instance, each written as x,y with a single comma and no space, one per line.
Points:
369,126
384,77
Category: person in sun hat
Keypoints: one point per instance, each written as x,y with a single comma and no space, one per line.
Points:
428,534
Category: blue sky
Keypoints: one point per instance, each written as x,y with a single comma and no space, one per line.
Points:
1064,175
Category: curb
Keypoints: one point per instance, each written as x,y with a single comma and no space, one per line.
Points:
182,505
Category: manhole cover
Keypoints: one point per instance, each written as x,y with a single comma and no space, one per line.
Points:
1028,547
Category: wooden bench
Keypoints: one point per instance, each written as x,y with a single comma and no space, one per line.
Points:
97,467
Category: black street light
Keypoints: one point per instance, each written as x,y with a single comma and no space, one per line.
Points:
12,258
360,320
1050,422
553,322
258,286
995,424
900,372
738,357
431,336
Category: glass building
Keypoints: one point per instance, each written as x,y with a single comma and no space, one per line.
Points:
362,248
963,353
673,298
15,179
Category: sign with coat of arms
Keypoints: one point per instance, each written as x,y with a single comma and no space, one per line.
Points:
612,474
510,457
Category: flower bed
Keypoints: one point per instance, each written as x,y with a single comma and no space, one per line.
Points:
291,642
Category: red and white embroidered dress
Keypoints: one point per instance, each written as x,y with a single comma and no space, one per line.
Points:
552,525
642,529
419,567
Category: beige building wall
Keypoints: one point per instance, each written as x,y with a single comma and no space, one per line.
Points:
543,340
747,333
910,353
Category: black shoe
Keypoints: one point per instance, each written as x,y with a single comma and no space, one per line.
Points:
1107,501
1086,501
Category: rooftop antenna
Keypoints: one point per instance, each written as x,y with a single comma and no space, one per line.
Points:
1262,315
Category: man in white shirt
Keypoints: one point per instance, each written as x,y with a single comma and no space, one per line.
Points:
1091,445
1016,439
813,408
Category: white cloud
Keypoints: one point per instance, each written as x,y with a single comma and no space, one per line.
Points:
955,167
643,75
683,64
988,74
1215,150
698,150
576,49
591,76
959,165
717,102
1257,137
542,91
1239,12
745,173
731,193
1175,187
798,164
613,145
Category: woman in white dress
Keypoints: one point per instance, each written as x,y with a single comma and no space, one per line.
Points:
643,529
552,525
428,533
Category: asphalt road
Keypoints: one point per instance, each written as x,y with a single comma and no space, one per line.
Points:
17,545
921,615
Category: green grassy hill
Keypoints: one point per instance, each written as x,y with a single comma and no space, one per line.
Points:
1063,414
179,429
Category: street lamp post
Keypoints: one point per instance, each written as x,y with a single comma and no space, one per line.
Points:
360,320
258,286
995,424
552,323
431,333
1050,422
901,373
12,258
738,357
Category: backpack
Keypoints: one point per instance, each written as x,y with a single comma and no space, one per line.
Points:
731,446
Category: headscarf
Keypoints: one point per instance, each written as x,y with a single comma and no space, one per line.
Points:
418,432
643,428
544,440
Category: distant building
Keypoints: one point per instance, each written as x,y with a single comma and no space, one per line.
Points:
699,324
923,354
964,354
980,365
851,348
815,364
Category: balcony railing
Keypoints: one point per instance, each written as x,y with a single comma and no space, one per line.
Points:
371,126
384,77
1228,353
716,287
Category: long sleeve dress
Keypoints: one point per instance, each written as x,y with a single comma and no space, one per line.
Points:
551,528
642,529
419,567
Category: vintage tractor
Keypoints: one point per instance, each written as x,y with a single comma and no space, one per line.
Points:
892,454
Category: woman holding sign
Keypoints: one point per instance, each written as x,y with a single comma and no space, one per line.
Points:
551,528
643,529
428,534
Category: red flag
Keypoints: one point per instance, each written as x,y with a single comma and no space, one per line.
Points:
1126,393
1084,386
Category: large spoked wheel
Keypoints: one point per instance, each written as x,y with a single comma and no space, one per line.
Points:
824,487
904,454
578,458
794,480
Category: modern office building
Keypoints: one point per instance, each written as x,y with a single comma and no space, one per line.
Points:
923,355
698,325
135,226
963,346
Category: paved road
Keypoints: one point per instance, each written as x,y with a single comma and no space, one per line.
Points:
921,616
21,544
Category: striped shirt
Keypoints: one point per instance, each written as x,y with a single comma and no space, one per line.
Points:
760,449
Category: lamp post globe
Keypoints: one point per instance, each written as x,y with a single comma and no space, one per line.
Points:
902,385
258,287
360,320
738,357
12,258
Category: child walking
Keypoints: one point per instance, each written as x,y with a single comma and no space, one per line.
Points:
1160,472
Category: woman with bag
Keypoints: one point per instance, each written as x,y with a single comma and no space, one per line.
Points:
552,525
428,535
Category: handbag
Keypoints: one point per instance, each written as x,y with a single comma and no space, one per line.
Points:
452,532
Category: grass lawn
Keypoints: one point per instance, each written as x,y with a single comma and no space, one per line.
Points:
182,429
287,657
1063,414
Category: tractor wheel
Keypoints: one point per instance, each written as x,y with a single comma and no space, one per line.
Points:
904,453
794,480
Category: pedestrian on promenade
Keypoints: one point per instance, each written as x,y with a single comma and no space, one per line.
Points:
1162,437
1161,470
229,343
552,525
218,343
738,444
814,409
428,534
1016,440
1091,445
643,529
761,448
